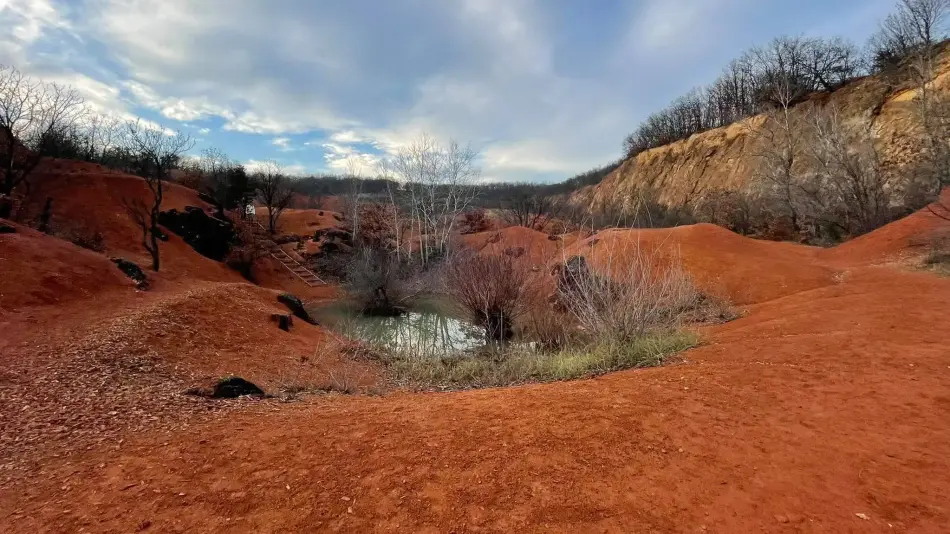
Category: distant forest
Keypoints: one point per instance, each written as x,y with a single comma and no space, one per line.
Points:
489,195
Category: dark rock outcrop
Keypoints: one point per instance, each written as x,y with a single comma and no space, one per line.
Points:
133,271
7,229
211,237
233,387
284,321
295,305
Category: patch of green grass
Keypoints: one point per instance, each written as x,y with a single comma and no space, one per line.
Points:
519,364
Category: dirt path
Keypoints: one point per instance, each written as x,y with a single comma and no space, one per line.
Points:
813,409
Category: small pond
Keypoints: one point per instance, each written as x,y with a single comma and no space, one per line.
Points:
429,328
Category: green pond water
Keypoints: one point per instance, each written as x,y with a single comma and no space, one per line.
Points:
429,328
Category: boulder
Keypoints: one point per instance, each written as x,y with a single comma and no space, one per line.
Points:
284,321
233,387
295,305
133,271
334,233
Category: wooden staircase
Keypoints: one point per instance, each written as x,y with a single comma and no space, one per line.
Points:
298,269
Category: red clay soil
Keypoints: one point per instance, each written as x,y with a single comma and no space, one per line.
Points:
77,372
894,242
536,246
88,197
301,222
826,408
812,409
722,263
271,274
58,271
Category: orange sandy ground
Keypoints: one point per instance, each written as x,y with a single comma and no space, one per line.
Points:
301,222
825,408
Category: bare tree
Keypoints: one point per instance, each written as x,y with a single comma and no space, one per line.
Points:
103,133
213,165
910,33
531,210
32,114
275,192
247,250
439,183
850,183
747,87
353,200
783,144
156,153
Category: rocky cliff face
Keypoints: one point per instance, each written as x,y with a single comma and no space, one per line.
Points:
729,158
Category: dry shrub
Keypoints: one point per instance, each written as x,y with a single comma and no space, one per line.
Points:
550,329
739,211
82,236
495,290
378,226
475,221
938,255
381,282
625,302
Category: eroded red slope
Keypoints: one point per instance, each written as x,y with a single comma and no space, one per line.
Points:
825,408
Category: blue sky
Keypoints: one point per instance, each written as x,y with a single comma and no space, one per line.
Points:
544,89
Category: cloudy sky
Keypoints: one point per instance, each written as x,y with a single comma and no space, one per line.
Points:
543,88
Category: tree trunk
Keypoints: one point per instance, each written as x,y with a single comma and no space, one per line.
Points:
153,236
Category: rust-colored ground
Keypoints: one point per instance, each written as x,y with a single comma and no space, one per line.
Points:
302,222
826,408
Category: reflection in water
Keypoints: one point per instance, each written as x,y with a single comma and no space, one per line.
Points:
427,331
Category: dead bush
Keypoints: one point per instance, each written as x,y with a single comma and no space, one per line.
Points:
82,236
623,302
475,221
493,289
380,282
739,211
549,328
938,255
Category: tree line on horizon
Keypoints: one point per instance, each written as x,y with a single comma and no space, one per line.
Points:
797,67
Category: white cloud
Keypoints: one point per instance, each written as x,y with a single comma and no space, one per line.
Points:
347,137
205,65
360,164
282,144
293,169
341,157
532,156
539,102
178,109
28,20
